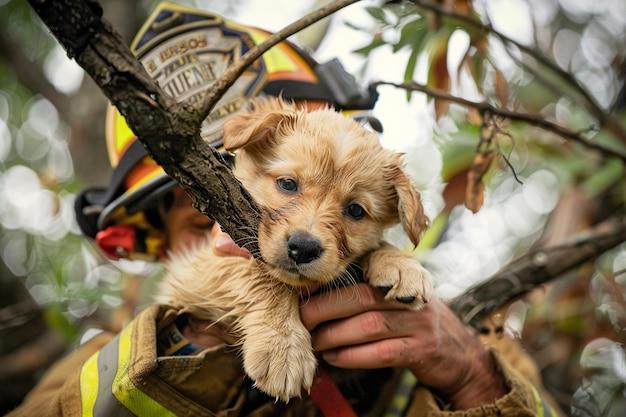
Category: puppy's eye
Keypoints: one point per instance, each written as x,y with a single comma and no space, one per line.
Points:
287,184
355,211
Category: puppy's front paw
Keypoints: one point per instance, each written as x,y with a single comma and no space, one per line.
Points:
400,277
281,364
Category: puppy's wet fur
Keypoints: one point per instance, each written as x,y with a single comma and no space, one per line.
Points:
327,190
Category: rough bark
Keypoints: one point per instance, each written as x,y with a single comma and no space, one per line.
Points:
170,131
536,268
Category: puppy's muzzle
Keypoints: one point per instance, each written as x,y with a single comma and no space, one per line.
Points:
302,247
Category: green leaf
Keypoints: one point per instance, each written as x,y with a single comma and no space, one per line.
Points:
476,65
55,318
402,9
376,42
605,177
457,153
378,14
410,70
411,34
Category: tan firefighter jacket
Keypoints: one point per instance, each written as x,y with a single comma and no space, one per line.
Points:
121,375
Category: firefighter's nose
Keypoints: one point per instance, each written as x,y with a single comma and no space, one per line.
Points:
303,247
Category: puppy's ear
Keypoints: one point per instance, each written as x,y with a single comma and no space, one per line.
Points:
256,126
410,209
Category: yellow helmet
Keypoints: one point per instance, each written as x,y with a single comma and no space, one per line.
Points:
185,50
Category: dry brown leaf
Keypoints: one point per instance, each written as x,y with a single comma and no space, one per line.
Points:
441,107
474,117
502,88
463,6
441,80
475,62
475,192
433,21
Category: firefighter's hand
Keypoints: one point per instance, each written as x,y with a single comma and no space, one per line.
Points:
354,327
223,245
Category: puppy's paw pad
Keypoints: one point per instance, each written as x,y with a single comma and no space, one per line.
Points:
400,278
282,367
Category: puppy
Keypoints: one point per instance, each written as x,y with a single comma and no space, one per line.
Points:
327,191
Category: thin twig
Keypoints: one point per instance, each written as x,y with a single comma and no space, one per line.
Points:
531,119
500,131
605,119
508,163
227,79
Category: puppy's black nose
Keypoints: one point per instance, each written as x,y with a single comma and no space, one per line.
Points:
303,247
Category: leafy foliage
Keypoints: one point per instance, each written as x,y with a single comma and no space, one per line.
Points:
501,74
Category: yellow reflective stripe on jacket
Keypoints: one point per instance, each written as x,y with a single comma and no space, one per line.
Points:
96,378
401,397
89,385
125,390
106,387
543,409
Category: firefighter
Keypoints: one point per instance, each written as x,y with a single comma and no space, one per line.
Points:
167,364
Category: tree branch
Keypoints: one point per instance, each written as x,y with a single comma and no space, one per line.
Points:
234,71
170,131
536,268
606,120
508,114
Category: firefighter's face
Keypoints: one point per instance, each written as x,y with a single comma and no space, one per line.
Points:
184,224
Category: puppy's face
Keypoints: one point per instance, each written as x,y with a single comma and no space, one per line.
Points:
326,187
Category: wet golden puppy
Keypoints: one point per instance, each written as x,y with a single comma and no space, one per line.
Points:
327,191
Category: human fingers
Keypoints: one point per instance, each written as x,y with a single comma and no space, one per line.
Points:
396,352
341,303
442,352
365,327
223,244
